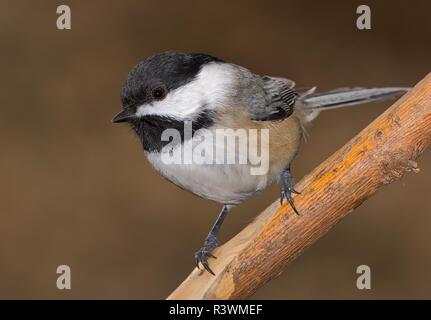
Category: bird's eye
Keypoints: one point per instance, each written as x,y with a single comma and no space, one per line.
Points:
158,93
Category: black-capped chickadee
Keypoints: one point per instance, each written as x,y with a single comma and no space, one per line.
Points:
168,90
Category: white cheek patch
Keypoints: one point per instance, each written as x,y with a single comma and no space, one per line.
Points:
178,103
212,87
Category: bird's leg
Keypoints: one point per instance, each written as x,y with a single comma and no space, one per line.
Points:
211,242
287,188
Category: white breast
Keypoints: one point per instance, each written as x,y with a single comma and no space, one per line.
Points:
224,183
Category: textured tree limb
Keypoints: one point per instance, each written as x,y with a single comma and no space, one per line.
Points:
380,154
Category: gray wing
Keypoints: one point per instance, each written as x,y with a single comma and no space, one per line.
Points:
279,97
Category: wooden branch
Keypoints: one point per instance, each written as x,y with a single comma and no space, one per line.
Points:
380,154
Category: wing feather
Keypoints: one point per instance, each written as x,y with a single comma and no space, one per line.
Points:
280,98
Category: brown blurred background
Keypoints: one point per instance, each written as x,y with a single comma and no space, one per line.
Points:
77,190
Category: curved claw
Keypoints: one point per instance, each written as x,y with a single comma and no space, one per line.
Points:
292,203
289,199
287,189
201,258
288,195
294,191
202,255
211,255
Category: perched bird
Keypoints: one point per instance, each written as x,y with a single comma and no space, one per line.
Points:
169,89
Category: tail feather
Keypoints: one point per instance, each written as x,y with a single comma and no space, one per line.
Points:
348,97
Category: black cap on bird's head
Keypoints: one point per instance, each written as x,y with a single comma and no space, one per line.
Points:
151,102
153,78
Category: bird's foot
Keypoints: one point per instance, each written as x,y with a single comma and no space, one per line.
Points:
202,255
287,189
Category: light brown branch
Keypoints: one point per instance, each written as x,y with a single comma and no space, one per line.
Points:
380,154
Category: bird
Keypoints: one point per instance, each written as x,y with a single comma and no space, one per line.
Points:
202,94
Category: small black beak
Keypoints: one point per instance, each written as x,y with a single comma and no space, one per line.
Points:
122,116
